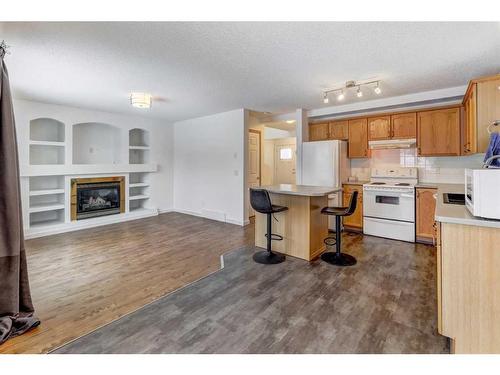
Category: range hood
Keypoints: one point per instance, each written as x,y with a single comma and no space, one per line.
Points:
392,143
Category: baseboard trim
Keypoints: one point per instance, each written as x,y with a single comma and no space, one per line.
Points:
199,214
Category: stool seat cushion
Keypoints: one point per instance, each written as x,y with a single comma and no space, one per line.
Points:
278,208
337,211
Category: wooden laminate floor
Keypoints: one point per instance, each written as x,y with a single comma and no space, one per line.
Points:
83,280
384,304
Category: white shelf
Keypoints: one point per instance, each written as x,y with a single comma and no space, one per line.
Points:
136,197
34,193
46,224
46,207
138,184
61,170
48,227
139,147
47,143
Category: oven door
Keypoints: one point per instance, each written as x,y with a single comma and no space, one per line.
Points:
389,204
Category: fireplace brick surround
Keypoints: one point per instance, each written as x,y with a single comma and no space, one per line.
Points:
76,182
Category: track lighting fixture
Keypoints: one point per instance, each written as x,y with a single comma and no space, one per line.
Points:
359,93
349,85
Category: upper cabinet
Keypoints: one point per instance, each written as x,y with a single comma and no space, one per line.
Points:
397,126
481,108
339,130
404,125
379,128
358,138
318,131
439,132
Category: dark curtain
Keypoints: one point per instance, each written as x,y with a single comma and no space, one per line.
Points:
16,308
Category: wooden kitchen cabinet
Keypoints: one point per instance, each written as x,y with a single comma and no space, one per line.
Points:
438,132
481,108
379,128
358,138
470,122
318,131
355,221
339,130
425,207
404,125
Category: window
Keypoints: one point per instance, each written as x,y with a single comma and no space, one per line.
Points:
286,153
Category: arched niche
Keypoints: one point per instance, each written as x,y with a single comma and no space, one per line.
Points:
96,143
46,130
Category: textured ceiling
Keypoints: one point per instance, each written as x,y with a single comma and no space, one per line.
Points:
195,69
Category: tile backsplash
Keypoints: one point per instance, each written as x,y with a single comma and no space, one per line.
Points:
430,169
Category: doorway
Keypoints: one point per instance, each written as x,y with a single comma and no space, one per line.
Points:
284,161
254,164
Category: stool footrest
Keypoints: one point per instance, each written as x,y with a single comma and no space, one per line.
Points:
275,237
330,241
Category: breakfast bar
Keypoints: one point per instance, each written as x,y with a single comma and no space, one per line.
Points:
302,226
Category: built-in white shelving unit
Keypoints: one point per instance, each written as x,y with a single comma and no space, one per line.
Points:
138,146
47,142
57,151
138,191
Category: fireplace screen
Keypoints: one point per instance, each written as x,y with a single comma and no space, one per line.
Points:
97,199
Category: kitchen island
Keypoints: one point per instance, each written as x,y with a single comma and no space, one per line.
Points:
302,226
468,281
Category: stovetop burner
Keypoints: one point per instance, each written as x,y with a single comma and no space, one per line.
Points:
402,184
377,183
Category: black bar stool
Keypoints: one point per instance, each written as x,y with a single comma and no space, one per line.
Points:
338,258
261,202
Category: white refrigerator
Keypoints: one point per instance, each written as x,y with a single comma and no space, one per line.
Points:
325,163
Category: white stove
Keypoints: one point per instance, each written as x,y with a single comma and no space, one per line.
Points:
389,203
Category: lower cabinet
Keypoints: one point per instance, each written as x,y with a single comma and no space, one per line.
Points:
355,221
424,221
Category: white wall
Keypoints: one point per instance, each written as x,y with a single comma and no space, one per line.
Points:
273,133
209,166
161,191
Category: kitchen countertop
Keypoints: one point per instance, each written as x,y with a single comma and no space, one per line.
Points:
457,214
303,190
360,182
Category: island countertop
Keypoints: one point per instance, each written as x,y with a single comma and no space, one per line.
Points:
303,190
458,214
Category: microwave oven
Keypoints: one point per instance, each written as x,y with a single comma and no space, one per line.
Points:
482,192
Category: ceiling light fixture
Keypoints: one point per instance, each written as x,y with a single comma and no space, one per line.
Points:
141,99
350,85
290,121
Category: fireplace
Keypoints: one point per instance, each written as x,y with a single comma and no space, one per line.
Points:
92,197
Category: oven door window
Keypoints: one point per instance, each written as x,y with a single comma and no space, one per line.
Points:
383,199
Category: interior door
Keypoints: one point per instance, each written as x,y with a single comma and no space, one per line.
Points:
284,164
253,163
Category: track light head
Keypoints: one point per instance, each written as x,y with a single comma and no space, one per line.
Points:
377,90
359,93
340,96
325,98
